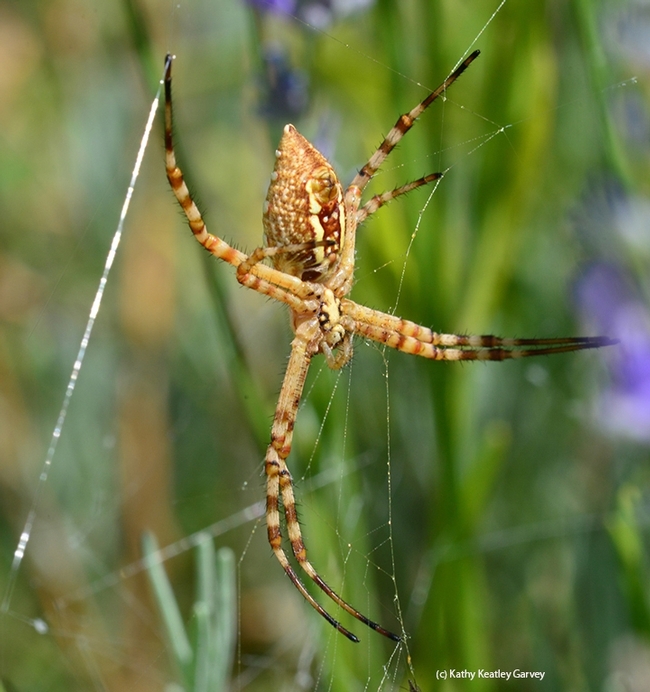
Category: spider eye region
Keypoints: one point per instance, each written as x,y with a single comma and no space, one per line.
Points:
304,207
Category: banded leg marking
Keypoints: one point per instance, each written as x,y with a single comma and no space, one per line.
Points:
280,485
404,123
479,347
371,206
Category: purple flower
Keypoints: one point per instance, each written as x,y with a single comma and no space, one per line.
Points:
609,301
317,13
284,89
276,6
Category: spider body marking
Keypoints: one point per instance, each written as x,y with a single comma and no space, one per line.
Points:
304,208
310,225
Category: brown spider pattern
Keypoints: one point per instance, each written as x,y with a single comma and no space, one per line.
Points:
310,225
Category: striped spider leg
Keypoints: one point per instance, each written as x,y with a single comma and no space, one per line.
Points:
310,224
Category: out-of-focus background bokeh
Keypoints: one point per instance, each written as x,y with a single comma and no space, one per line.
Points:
497,514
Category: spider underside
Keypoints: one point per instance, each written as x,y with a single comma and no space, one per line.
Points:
310,225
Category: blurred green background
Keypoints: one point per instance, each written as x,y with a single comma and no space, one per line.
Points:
498,514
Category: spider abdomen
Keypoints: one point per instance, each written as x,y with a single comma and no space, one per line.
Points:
304,207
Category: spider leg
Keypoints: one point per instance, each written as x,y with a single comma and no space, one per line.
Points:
274,472
405,123
508,351
341,282
218,247
283,287
280,484
261,253
415,339
371,206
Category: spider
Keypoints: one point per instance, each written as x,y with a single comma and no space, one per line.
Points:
310,224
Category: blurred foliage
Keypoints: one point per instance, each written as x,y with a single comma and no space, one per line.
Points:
493,512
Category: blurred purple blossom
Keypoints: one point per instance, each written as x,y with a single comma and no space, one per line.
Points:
276,6
628,29
285,94
609,301
318,13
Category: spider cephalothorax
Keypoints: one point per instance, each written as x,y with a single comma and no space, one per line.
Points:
310,227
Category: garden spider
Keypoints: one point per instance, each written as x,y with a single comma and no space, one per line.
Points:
310,224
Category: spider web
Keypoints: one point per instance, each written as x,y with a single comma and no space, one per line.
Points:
172,410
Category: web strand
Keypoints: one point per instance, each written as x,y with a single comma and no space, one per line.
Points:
25,535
